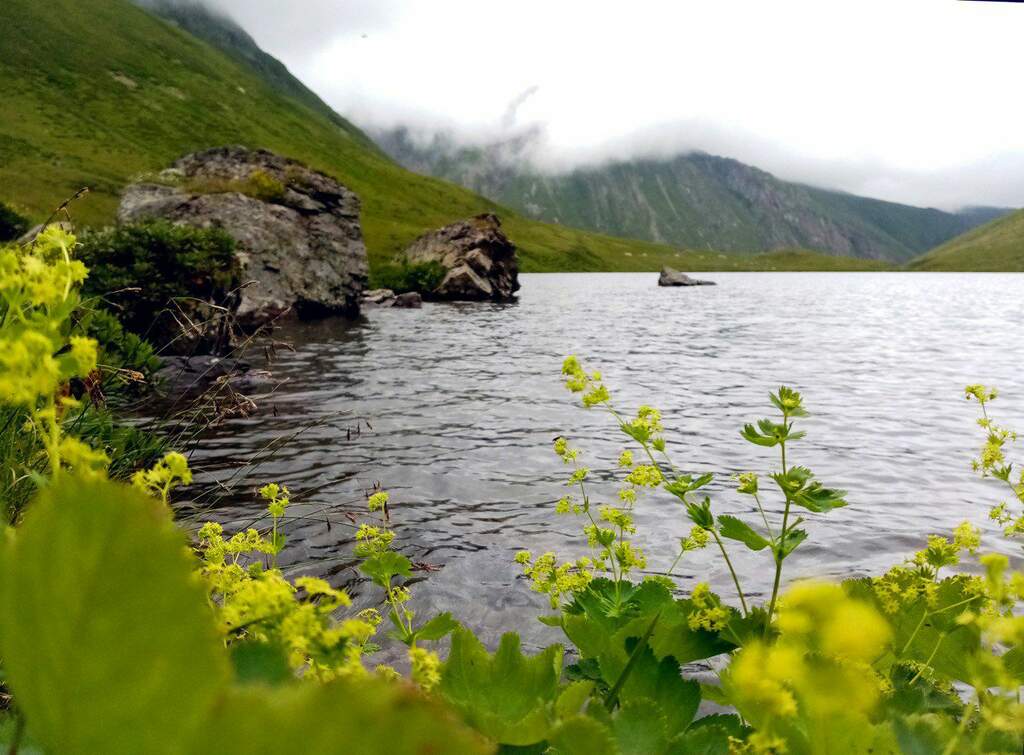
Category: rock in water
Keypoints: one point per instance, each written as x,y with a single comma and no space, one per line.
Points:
670,277
297,230
479,258
385,297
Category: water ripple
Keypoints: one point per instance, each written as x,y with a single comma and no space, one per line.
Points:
464,401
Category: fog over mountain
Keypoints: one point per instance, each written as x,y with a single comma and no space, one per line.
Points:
909,101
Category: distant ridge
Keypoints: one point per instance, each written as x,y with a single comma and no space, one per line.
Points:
997,246
695,200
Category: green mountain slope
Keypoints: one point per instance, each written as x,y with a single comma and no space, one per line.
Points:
997,246
230,38
96,92
695,200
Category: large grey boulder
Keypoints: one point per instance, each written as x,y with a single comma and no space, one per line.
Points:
479,259
671,277
299,242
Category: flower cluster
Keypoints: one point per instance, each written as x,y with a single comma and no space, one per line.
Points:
164,476
38,355
708,612
256,603
555,580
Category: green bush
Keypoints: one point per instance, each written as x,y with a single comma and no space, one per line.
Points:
404,276
125,358
158,264
12,224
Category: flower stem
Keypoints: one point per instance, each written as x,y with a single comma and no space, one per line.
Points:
735,579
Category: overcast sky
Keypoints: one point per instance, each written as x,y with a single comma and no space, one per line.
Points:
912,100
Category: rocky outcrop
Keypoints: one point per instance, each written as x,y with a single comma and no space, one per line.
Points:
385,297
479,260
671,277
299,243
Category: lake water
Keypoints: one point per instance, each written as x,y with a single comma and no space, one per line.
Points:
464,401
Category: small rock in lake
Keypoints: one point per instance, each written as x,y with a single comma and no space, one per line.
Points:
670,277
410,300
385,297
378,297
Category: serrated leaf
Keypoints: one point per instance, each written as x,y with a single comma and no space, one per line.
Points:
437,627
639,728
913,693
571,699
107,640
735,529
661,681
673,637
383,567
638,433
706,740
788,402
684,484
700,513
504,696
592,619
819,499
750,434
923,735
792,540
582,736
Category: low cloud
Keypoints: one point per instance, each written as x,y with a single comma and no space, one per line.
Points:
845,96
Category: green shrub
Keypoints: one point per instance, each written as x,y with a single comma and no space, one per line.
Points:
125,358
158,263
404,276
12,224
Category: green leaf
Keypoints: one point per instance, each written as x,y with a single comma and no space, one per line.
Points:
639,728
705,740
660,681
789,402
261,662
437,627
923,735
768,433
363,717
684,484
601,611
572,699
504,696
820,499
674,638
383,567
913,693
582,736
700,514
107,640
637,432
734,529
792,540
1013,662
799,486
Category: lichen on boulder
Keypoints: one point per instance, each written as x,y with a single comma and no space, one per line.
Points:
299,242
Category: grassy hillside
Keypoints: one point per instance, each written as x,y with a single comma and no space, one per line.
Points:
99,91
697,201
997,246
